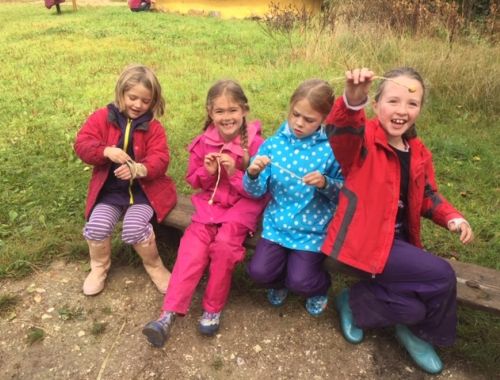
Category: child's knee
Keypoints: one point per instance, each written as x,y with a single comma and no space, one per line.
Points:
98,232
258,273
134,234
447,273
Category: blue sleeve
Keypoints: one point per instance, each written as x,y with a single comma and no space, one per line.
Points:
257,187
334,180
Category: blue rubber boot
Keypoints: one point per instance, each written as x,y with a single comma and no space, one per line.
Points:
316,305
277,297
422,353
351,333
158,332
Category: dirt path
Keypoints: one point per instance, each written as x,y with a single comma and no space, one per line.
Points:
88,335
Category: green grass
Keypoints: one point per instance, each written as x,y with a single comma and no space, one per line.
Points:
56,70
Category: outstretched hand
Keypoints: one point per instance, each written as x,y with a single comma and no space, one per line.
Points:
358,82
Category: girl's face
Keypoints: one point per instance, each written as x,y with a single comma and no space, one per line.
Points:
137,101
303,120
397,108
227,116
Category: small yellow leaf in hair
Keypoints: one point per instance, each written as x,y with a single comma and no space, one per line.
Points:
412,89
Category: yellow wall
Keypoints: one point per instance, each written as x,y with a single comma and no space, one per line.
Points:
230,8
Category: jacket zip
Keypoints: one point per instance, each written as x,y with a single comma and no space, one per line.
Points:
125,147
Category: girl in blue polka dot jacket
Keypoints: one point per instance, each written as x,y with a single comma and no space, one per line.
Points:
298,169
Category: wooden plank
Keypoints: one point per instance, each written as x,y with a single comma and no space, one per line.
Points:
477,287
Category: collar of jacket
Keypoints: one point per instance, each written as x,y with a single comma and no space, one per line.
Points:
120,120
318,136
212,137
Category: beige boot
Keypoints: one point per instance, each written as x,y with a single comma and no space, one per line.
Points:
100,261
152,263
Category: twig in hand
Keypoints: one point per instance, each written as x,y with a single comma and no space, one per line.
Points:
411,89
287,171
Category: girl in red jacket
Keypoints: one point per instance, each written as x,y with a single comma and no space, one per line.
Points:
128,149
389,185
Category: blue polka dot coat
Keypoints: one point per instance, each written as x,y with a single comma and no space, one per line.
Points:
297,214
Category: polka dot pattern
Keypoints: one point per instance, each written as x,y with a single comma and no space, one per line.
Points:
297,215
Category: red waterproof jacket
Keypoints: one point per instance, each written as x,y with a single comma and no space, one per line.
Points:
361,233
150,149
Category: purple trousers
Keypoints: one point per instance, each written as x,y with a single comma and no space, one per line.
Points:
416,289
302,272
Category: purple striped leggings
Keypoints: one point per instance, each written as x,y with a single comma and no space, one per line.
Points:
104,217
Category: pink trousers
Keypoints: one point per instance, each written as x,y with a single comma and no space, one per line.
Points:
218,247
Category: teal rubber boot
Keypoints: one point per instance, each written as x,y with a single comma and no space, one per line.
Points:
351,333
422,353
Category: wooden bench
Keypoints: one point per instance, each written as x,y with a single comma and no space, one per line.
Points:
477,287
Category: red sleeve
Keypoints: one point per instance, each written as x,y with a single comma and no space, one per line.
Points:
345,129
91,139
435,206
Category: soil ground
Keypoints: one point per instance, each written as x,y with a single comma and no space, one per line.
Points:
100,337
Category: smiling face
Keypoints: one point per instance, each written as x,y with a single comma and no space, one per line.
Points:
303,120
227,116
137,101
397,108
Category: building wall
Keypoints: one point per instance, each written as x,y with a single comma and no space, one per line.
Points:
230,8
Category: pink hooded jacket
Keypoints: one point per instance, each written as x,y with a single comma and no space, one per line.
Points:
231,203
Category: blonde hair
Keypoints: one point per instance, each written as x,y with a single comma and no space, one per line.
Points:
136,74
232,89
318,93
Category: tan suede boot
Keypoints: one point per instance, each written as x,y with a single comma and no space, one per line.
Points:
100,261
152,263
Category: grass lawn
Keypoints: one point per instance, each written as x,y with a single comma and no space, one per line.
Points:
56,70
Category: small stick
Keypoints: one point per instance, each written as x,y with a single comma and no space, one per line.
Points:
211,200
287,171
410,88
105,362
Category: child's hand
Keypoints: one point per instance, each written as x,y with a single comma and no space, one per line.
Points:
210,163
123,172
358,82
258,165
315,179
227,163
461,226
117,155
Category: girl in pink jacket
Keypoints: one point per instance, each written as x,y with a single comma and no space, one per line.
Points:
128,150
224,212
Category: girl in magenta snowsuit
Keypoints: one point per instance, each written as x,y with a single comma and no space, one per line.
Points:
224,212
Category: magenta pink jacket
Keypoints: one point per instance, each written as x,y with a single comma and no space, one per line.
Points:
150,149
231,202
